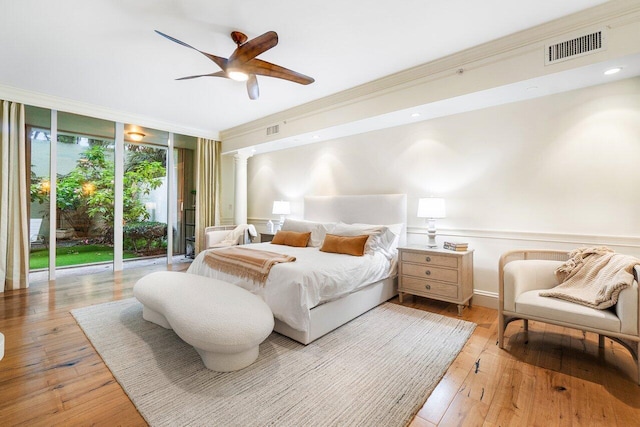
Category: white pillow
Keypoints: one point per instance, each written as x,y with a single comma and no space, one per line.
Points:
387,242
396,229
318,229
380,237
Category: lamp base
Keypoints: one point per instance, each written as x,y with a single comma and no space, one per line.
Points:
431,232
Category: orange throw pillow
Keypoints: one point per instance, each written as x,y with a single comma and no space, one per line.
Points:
349,245
291,238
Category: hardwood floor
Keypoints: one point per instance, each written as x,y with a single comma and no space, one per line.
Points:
51,375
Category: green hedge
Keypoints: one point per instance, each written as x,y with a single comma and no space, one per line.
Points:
145,238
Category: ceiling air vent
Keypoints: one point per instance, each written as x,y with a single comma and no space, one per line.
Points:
271,130
579,46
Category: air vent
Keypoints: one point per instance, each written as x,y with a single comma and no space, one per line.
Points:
579,46
271,130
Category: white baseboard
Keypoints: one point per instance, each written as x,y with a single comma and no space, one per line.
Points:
485,299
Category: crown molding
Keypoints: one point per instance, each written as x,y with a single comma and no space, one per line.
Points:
42,100
612,14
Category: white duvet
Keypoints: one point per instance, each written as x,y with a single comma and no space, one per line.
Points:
293,288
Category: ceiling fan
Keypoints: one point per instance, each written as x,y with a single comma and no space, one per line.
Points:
243,65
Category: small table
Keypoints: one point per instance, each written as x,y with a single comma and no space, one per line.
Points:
266,237
437,274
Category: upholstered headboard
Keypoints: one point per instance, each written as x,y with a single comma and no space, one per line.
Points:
366,209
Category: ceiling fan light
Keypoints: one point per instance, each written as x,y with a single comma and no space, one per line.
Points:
238,76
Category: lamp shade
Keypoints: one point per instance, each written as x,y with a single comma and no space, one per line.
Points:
431,207
281,208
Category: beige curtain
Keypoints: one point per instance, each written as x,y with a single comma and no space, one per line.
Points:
207,187
14,221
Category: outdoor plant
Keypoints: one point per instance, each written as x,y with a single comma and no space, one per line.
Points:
86,194
145,237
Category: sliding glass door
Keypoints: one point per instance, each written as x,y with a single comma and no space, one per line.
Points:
145,200
159,202
85,190
83,155
39,139
154,175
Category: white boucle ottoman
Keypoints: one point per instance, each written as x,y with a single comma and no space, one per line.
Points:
223,322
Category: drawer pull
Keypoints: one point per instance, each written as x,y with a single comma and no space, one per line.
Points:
428,287
428,272
428,259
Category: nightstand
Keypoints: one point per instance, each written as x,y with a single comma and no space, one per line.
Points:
266,237
437,274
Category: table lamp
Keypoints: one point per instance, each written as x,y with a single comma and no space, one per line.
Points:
281,208
431,208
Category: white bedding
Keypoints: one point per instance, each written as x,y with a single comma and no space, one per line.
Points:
293,288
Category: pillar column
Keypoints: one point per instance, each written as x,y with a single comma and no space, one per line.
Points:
240,208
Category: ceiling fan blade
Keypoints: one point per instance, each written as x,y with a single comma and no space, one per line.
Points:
252,87
216,74
264,68
220,62
253,48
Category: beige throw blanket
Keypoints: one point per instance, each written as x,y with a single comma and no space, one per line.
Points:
593,277
246,263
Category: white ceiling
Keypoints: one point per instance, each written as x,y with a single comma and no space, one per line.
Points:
105,53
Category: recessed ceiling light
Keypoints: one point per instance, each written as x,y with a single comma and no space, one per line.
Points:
612,71
136,136
316,136
415,115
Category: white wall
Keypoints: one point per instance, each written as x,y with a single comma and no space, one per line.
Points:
555,172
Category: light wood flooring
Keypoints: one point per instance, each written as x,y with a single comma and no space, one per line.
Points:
51,375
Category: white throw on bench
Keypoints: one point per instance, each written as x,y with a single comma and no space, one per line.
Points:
223,322
524,274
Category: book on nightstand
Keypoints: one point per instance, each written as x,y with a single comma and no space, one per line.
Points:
458,247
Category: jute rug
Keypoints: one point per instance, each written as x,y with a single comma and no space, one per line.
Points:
376,370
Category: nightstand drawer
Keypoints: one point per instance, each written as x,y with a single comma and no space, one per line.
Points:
427,287
421,258
430,272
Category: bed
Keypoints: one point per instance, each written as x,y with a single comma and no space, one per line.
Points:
349,286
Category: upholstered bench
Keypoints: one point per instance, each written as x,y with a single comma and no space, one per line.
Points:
223,322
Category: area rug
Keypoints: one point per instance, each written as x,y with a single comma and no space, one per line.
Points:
376,370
